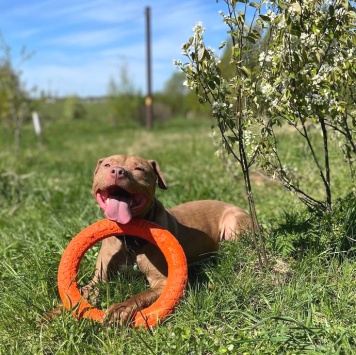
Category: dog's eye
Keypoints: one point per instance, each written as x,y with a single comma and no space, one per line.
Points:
107,165
139,168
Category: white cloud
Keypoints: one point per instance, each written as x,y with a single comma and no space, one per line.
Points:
81,44
86,38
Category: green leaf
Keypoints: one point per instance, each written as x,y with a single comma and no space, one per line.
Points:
297,8
255,5
202,54
236,51
250,39
185,46
246,70
265,18
241,18
222,44
255,34
331,10
211,85
260,23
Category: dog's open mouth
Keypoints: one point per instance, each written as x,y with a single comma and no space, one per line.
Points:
119,205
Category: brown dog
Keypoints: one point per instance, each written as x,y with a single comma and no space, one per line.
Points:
124,187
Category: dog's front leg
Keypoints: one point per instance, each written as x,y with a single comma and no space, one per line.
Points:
153,264
113,255
123,313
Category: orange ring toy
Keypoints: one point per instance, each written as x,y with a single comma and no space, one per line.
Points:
164,240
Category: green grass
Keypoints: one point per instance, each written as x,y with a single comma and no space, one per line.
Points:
302,303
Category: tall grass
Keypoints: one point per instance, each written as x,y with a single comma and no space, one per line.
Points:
304,302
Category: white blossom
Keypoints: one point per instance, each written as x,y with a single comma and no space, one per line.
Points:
198,28
339,13
272,15
221,109
267,89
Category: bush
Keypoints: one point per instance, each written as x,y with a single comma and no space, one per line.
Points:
333,232
74,108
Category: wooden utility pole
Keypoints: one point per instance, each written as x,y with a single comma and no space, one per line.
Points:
148,100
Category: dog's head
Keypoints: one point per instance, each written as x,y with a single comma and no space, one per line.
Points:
124,186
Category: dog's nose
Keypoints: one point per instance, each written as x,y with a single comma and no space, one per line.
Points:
118,172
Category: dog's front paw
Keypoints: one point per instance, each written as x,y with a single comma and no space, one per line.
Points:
51,315
90,293
121,313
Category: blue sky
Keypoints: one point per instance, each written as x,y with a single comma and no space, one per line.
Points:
79,45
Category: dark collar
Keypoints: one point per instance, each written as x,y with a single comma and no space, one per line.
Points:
132,242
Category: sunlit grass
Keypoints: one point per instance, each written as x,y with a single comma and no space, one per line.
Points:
307,305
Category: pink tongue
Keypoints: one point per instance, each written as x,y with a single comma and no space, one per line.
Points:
119,210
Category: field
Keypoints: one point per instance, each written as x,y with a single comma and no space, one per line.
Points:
302,303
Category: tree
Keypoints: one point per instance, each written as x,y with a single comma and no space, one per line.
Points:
73,108
124,99
305,76
14,98
180,100
308,77
174,93
227,102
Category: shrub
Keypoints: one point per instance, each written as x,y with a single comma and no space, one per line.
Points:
332,232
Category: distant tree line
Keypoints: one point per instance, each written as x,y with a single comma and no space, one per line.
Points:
123,104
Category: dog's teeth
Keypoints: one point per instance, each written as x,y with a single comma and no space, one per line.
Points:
107,201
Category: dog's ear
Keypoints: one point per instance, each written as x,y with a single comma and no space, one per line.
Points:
98,165
161,183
